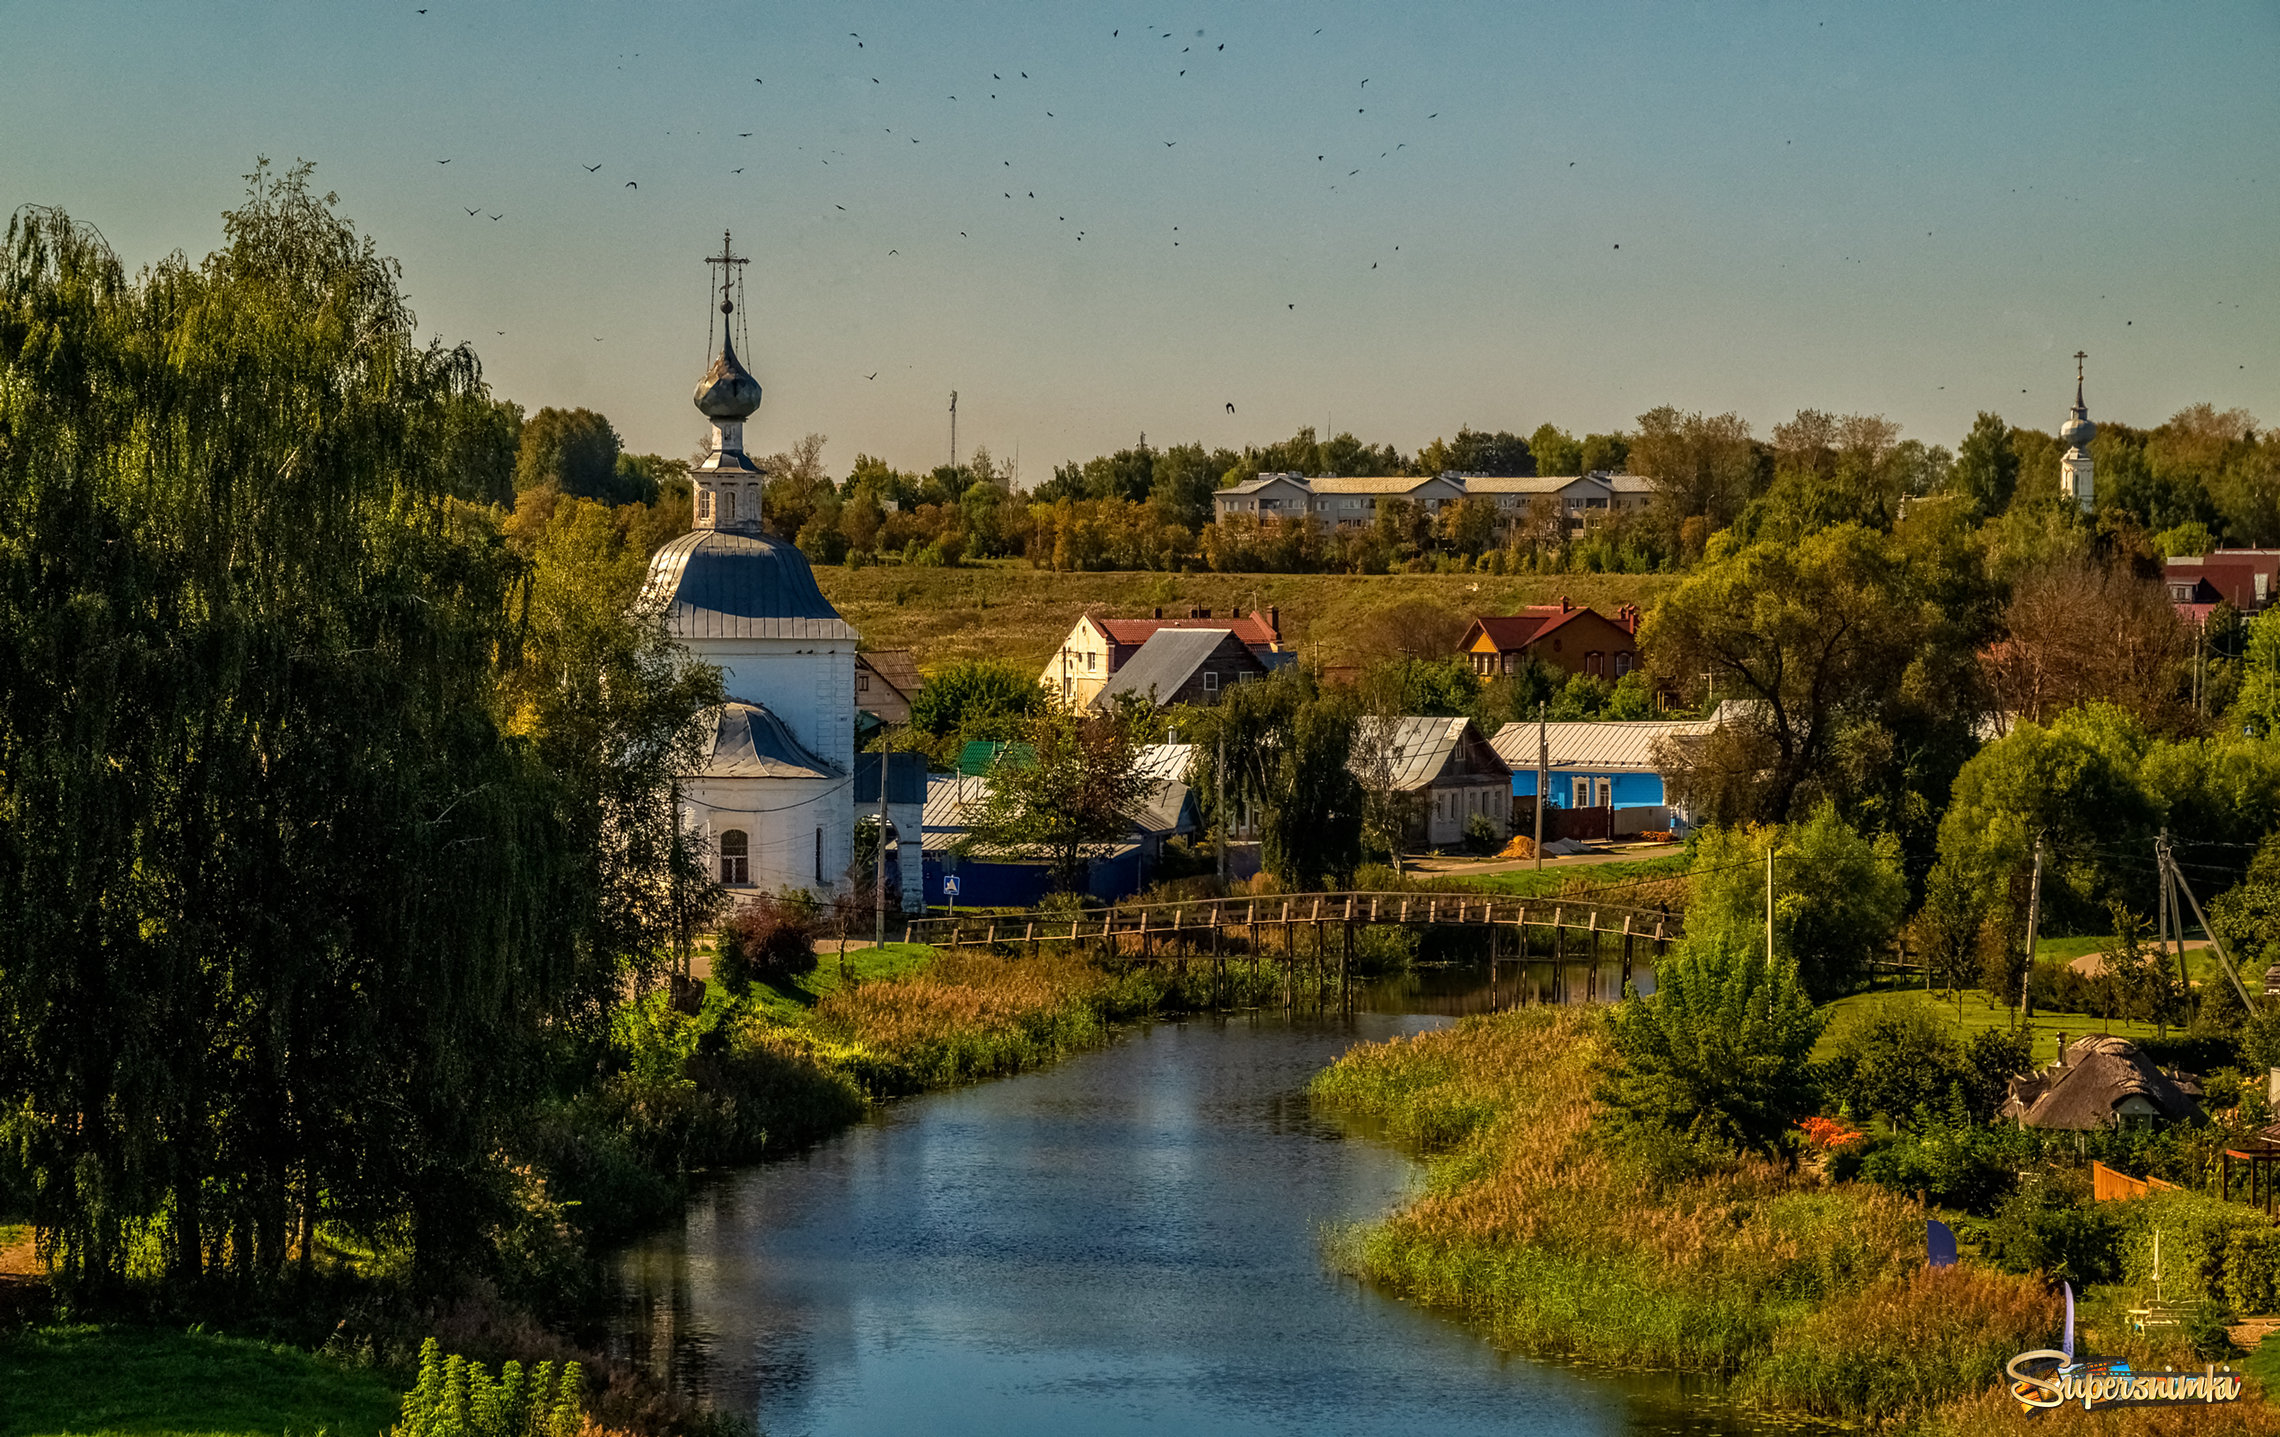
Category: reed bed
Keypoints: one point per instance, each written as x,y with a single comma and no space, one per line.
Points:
1803,1296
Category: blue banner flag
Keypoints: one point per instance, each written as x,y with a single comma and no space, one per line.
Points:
1939,1243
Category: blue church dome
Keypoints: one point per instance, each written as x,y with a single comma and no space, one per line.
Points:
721,584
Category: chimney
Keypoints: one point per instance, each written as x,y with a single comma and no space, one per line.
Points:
2062,1048
1565,606
1274,621
1159,611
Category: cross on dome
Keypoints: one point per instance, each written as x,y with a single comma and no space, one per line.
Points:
728,483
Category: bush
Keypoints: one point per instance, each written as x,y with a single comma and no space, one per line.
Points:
458,1398
767,938
1481,835
2196,1237
1902,1059
2048,1231
2252,1270
1951,1160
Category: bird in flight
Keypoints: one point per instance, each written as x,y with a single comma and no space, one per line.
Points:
744,134
443,162
591,169
737,171
1169,143
839,207
475,211
874,374
1230,408
631,185
502,331
894,251
498,217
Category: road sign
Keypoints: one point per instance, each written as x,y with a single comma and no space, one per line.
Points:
949,885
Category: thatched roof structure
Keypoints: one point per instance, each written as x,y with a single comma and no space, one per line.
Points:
2097,1083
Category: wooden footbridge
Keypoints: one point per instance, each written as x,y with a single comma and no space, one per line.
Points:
1310,936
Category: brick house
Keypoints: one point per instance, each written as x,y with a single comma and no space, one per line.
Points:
1562,636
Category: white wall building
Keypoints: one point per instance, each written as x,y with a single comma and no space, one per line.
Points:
773,804
2076,474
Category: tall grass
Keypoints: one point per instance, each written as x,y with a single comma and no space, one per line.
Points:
1804,1296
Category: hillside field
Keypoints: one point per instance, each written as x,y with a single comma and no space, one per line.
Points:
1005,609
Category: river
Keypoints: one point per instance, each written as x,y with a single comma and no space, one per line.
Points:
1126,1242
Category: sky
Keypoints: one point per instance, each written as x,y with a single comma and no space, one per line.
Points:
1094,222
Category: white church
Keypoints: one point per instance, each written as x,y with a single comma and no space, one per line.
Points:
774,805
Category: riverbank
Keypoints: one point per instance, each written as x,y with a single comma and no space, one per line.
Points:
1801,1296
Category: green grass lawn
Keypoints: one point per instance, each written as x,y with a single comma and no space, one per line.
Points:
1547,882
147,1382
788,1001
1973,1015
1006,610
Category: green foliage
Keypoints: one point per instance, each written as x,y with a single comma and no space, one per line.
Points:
1720,1050
576,451
2196,1234
154,1380
1286,743
1950,1157
455,1397
1074,800
302,891
1986,466
2252,1270
2050,1229
1482,835
2258,707
1838,896
1903,1058
976,699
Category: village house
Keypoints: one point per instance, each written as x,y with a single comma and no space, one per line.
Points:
1183,666
1097,647
1270,496
2247,579
1561,636
1604,779
886,680
2100,1082
1442,768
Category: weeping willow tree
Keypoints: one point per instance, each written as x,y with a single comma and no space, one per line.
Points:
302,890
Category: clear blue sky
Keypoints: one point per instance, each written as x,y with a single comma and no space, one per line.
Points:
1843,207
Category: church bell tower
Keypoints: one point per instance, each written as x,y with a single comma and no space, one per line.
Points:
728,484
2075,477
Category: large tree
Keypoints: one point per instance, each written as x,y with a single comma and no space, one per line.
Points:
296,904
1068,796
574,450
1285,744
1816,640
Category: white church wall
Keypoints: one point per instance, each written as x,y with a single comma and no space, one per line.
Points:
786,823
810,685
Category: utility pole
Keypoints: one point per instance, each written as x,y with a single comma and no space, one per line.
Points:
2034,917
1543,782
2216,944
1219,802
879,901
953,431
1769,900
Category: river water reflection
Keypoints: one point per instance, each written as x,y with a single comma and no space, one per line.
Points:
1127,1242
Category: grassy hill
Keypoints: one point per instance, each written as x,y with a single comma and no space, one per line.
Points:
1005,609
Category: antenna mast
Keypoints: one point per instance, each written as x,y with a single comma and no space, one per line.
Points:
953,431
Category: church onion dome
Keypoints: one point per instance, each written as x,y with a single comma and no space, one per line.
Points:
720,584
748,741
727,392
2078,431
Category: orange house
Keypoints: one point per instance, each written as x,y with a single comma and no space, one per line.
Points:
1562,636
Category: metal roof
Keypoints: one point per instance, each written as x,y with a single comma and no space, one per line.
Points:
1417,748
1253,486
750,742
1169,762
1162,666
1379,484
1600,747
715,584
953,799
1529,484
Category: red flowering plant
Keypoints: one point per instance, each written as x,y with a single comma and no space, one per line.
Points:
1827,1135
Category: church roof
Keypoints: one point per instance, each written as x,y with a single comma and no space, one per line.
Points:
750,742
718,584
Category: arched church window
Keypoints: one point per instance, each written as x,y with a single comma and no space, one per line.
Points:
735,857
728,506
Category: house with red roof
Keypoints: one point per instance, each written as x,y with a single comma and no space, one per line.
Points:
1578,640
2246,579
1097,647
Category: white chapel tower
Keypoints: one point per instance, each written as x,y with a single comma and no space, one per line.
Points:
773,801
2074,468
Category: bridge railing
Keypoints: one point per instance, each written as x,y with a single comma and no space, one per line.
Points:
1187,918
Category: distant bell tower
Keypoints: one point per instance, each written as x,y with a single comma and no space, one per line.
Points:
2074,470
728,483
